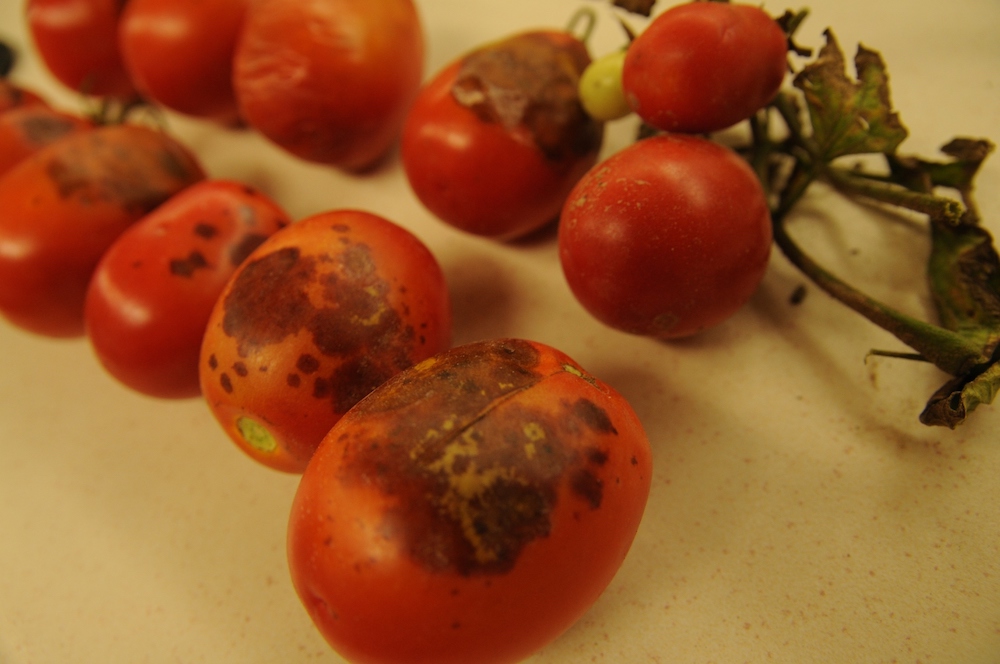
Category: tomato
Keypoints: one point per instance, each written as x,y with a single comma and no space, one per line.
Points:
470,509
13,95
62,207
667,237
26,129
601,91
179,53
329,80
78,42
151,295
496,140
703,66
318,316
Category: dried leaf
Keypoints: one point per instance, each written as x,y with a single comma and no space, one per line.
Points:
642,7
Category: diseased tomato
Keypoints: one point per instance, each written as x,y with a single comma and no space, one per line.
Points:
151,295
78,42
179,53
495,141
667,237
322,313
62,207
329,80
470,509
26,129
704,66
13,95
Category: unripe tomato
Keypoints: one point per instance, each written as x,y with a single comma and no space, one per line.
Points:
496,140
329,80
667,237
62,207
601,91
179,53
78,42
703,66
152,293
26,129
318,316
470,509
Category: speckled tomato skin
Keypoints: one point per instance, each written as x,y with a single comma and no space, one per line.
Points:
152,293
330,81
62,207
666,238
319,315
469,510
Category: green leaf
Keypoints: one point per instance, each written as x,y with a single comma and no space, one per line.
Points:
849,116
964,276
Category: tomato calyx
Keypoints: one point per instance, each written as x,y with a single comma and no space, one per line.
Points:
851,118
528,85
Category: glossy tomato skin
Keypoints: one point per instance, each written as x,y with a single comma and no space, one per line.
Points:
329,80
26,129
78,42
703,66
667,237
492,168
470,509
151,295
319,315
62,207
179,53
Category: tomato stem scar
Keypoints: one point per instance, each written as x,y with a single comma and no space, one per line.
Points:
257,435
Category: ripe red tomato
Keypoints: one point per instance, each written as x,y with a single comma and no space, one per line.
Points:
667,237
151,295
26,129
470,509
62,207
317,317
703,66
179,53
78,42
329,80
494,143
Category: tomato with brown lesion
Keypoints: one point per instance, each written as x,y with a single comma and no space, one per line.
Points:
151,295
473,506
28,128
318,316
63,206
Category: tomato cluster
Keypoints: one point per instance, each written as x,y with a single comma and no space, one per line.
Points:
441,487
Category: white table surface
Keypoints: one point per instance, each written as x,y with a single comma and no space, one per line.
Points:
799,512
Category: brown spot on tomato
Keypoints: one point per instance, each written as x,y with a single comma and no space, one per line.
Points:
293,380
594,416
44,129
226,383
240,369
586,485
307,364
186,267
205,230
213,362
246,246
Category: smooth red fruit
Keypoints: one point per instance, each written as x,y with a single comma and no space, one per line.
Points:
470,509
322,313
667,237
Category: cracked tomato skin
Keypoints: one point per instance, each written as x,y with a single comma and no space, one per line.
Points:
179,53
78,42
151,295
667,237
329,81
704,66
470,509
318,316
62,207
497,139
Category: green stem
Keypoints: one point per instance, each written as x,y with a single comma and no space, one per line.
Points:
938,208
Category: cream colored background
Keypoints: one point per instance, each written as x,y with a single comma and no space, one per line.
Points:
799,512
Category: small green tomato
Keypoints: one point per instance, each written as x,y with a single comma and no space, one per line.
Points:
601,90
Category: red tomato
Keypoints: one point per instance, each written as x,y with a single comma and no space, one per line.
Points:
494,143
329,80
317,317
26,129
152,293
62,207
78,42
703,66
179,53
667,237
13,95
470,509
